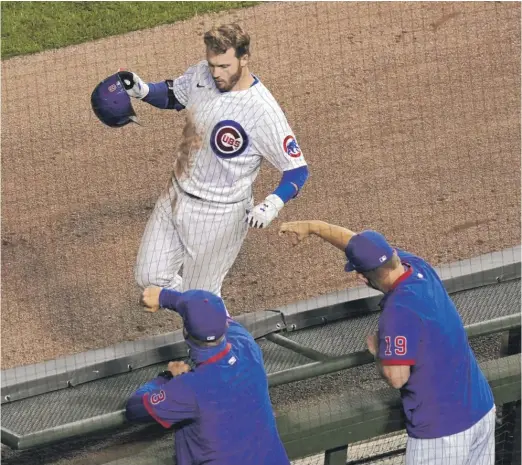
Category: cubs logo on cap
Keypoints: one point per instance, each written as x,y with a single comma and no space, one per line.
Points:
228,139
291,148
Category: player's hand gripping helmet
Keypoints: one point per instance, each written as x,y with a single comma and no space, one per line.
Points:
111,103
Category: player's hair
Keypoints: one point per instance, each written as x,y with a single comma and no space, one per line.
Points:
379,273
220,38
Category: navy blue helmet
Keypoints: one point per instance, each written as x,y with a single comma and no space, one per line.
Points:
111,103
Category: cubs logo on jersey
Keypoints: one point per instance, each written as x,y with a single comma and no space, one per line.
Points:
228,139
291,148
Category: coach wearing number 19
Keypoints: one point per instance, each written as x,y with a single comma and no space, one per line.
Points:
421,348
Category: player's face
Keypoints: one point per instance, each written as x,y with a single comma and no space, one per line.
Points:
226,68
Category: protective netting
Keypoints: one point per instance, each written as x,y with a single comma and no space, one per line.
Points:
154,447
391,449
407,114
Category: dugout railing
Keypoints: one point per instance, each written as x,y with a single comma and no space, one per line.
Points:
299,354
331,429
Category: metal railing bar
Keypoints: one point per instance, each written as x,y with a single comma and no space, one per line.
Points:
117,418
343,362
296,347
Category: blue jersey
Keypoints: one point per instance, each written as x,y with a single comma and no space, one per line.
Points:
447,392
221,411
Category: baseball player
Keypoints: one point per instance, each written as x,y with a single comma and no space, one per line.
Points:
421,348
221,410
233,123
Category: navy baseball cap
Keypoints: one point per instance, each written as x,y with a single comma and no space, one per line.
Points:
366,251
204,314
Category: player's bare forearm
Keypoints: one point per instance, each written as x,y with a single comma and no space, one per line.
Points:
395,376
372,342
335,235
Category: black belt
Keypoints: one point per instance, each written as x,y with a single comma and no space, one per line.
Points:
192,196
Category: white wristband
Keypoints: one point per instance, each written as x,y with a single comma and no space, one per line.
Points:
276,201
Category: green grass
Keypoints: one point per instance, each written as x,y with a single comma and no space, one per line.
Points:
30,27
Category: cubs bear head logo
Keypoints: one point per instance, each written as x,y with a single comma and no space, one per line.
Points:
291,148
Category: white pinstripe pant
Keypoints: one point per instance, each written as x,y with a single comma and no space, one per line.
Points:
474,446
203,237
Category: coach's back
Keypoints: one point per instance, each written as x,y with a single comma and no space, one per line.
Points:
220,410
446,392
236,424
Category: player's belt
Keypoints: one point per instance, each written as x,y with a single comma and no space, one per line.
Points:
192,196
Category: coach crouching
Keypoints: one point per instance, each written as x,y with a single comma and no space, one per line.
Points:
221,410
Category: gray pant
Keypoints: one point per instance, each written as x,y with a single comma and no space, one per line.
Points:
474,446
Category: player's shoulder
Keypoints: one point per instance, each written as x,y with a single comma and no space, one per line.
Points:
267,111
402,301
202,66
180,387
197,70
405,255
410,257
405,302
261,96
236,328
237,332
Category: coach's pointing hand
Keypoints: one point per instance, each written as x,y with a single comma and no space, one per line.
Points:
300,230
150,299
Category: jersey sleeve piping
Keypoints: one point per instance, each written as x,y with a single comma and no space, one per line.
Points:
151,412
397,362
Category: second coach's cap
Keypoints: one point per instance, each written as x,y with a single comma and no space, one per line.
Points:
204,313
366,251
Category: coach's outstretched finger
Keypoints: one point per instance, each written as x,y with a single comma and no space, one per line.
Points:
299,230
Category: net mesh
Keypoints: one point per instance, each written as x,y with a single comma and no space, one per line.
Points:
407,114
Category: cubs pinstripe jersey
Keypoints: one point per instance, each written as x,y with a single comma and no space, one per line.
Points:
227,135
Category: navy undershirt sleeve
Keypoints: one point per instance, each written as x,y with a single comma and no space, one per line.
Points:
162,96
